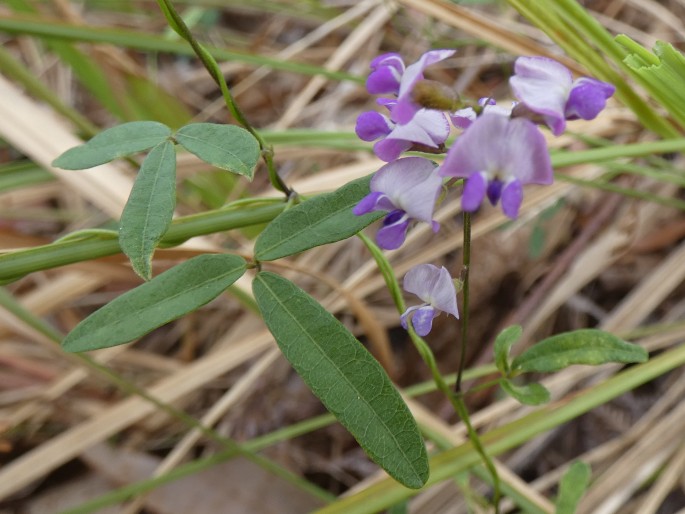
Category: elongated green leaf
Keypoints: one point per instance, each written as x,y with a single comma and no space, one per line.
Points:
529,394
324,219
344,375
168,296
149,209
572,487
109,144
225,146
589,346
503,343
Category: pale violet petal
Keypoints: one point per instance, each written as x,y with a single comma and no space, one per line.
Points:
543,85
412,184
443,295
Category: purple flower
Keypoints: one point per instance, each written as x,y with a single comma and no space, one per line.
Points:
408,188
435,287
546,88
427,127
498,155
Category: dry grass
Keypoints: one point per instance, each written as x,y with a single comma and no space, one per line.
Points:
617,263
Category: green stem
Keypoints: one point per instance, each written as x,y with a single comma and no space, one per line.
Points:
14,265
428,357
466,261
179,26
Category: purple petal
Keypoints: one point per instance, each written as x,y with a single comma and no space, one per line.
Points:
391,59
587,98
386,75
383,80
543,85
404,110
412,184
474,192
501,148
372,125
422,320
394,230
463,118
389,150
512,196
367,204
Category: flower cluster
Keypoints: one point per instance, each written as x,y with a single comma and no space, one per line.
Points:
499,151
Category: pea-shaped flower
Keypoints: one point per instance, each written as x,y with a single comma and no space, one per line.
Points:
435,287
408,189
427,128
497,156
546,88
389,75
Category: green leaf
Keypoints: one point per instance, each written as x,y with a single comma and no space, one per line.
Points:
572,487
503,343
344,375
225,146
168,296
588,346
149,209
324,219
529,394
109,144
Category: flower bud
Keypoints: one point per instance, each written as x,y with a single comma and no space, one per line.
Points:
435,95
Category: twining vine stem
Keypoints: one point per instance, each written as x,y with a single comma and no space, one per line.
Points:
180,27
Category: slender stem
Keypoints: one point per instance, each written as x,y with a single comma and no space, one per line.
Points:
177,24
466,260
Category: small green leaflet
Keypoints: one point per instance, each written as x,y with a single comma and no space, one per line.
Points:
588,346
324,219
529,394
125,139
149,209
503,343
225,146
345,377
572,487
170,295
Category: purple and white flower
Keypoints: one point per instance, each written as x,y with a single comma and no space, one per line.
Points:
435,287
546,87
428,128
408,189
497,156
